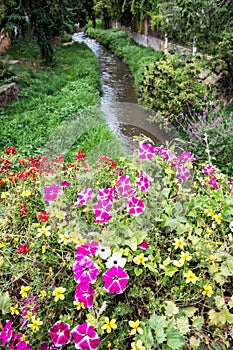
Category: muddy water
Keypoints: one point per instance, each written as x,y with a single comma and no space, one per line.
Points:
124,116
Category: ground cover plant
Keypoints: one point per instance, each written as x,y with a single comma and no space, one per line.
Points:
127,254
48,96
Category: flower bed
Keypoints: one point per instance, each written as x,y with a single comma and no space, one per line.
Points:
123,254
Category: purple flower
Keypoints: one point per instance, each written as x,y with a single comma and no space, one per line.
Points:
85,270
84,196
47,346
102,211
60,334
83,294
85,337
86,249
6,332
124,187
209,170
115,280
213,182
64,184
182,173
144,182
51,192
146,151
107,193
186,156
135,206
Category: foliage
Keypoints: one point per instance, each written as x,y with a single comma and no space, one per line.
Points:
175,247
49,96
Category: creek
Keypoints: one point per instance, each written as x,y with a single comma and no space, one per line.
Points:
123,114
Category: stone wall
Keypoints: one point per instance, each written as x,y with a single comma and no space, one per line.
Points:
8,93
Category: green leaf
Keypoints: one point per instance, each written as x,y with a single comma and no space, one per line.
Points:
174,339
149,337
219,279
160,335
216,345
171,308
183,325
198,321
170,270
5,303
189,311
194,343
132,243
138,271
157,321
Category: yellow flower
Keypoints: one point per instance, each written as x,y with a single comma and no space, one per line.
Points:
210,213
2,245
26,193
24,291
58,293
79,305
44,231
23,337
43,249
16,239
137,346
207,290
1,261
211,259
179,243
140,259
5,195
190,277
28,314
14,310
64,239
218,218
109,325
136,328
43,293
35,323
186,256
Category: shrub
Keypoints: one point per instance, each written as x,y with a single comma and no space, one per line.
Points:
172,86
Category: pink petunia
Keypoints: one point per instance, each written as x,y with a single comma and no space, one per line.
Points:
86,249
102,211
84,196
84,294
135,206
51,192
144,182
182,173
60,334
85,270
144,245
124,187
115,280
186,156
209,170
6,332
64,184
146,151
107,193
213,182
85,337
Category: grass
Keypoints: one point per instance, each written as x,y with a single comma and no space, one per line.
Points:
50,96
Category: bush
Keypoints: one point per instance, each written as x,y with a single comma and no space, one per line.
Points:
172,86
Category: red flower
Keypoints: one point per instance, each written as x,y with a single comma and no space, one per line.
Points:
81,155
10,150
24,249
43,216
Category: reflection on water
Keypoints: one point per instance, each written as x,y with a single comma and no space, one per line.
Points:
119,101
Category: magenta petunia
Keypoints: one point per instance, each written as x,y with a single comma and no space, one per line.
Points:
85,337
209,170
6,332
102,211
64,184
135,206
84,294
186,156
146,151
84,196
107,193
85,270
86,249
144,182
213,182
51,192
182,173
60,334
144,245
115,280
124,187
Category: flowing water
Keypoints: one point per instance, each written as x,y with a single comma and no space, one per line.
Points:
124,116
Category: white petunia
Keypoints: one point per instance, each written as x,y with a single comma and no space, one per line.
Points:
115,260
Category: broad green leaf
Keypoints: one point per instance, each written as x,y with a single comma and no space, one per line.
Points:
132,243
5,303
149,337
194,343
171,308
226,315
181,229
183,325
174,339
219,279
216,345
198,321
189,311
219,301
170,270
160,335
157,321
138,271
